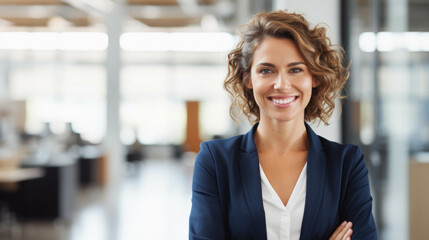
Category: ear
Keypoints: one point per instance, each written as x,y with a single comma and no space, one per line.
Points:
249,81
315,83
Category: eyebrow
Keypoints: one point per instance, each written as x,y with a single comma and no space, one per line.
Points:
272,65
295,63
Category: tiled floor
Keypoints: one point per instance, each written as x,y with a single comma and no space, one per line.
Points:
152,202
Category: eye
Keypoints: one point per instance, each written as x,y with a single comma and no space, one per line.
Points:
296,70
265,71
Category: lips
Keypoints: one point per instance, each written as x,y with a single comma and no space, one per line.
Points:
282,100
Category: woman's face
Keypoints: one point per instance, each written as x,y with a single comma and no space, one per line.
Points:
280,80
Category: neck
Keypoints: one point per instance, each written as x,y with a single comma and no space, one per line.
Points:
281,137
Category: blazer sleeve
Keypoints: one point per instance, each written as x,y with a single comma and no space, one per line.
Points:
357,205
206,218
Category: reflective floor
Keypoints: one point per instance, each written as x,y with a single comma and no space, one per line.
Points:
152,202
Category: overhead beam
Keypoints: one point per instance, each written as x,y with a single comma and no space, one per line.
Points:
143,11
31,2
28,22
220,8
161,13
44,22
21,11
170,2
169,22
152,2
177,11
207,2
93,7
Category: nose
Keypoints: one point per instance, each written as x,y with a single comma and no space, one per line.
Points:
282,82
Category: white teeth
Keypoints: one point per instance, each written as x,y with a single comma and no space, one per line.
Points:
283,101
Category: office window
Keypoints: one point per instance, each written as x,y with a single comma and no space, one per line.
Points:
60,93
154,101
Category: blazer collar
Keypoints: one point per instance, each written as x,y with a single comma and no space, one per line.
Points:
316,173
248,142
251,178
316,178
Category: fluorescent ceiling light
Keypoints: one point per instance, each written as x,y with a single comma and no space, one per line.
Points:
367,42
178,42
201,42
130,41
73,41
392,41
136,41
15,40
83,41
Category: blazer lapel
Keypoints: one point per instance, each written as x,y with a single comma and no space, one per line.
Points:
249,170
316,178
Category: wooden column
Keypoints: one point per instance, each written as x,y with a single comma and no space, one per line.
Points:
419,197
192,142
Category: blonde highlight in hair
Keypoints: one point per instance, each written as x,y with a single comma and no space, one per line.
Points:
324,62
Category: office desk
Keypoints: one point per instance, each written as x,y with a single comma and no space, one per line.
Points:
52,196
19,174
9,184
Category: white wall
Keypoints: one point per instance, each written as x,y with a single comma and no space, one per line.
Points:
328,12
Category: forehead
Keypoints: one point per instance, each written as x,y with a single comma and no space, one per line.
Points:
277,49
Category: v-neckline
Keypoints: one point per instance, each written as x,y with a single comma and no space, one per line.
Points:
277,199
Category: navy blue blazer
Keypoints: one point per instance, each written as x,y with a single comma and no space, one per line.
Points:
227,195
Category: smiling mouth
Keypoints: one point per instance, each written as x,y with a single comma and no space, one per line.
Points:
283,100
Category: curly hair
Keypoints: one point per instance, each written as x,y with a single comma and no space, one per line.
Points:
325,64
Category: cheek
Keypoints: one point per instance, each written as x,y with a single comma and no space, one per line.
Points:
308,84
259,88
258,93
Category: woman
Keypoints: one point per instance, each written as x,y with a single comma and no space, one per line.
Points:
281,180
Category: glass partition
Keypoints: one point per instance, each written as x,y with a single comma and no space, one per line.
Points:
387,109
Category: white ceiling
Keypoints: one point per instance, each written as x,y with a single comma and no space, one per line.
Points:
148,13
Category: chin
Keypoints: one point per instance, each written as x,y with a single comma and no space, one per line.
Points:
283,119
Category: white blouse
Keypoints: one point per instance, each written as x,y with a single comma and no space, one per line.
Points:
284,222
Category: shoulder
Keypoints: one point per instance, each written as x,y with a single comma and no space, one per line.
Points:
342,158
337,148
228,144
216,159
220,149
346,159
332,150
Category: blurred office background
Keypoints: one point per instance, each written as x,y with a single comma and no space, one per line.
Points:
103,105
